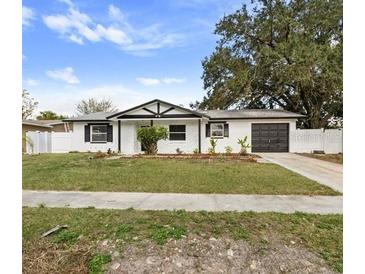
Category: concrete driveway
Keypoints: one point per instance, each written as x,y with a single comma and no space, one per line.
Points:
326,173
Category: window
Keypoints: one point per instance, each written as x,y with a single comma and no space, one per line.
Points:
99,133
216,130
177,132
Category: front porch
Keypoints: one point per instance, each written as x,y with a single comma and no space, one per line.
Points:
184,135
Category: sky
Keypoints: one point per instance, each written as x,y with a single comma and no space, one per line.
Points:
125,50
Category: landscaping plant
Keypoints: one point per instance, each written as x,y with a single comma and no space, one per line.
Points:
213,143
149,136
244,145
228,150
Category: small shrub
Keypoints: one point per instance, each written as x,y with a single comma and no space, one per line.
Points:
179,151
228,150
244,145
73,151
97,263
196,151
213,143
149,136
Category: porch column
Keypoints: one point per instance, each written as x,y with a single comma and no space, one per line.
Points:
199,137
119,141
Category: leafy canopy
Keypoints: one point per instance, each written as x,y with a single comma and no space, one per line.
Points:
92,105
149,136
285,54
28,105
50,115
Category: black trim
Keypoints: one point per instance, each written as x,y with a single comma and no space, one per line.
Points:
151,123
198,114
103,124
109,133
150,111
98,142
199,137
167,110
217,122
226,130
87,133
207,130
158,117
119,135
158,107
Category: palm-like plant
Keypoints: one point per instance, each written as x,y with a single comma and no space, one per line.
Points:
244,145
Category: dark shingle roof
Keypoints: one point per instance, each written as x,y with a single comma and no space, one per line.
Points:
97,116
250,114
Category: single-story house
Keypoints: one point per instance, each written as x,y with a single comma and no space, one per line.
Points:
267,130
44,125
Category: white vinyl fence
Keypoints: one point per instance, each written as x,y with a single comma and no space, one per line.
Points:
308,140
48,142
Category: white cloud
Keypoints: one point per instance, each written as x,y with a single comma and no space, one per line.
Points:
67,75
115,13
148,81
28,15
63,100
155,81
78,27
173,80
31,82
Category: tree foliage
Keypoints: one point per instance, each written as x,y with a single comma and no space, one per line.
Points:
149,136
92,105
50,115
28,105
285,54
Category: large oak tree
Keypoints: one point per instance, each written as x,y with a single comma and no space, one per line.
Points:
285,54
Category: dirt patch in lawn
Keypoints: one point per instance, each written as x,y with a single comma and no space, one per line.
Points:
333,158
42,256
195,254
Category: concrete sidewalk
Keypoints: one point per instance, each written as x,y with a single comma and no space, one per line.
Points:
189,202
323,172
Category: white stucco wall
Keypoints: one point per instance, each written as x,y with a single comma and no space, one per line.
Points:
79,144
130,145
240,129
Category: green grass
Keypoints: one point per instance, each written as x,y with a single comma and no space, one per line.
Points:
321,234
76,172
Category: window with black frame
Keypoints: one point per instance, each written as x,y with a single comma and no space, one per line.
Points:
177,132
99,133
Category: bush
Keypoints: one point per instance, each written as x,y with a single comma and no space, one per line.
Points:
149,136
179,151
228,150
244,145
213,143
196,151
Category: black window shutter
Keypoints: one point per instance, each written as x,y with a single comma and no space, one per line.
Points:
87,133
207,130
109,136
226,130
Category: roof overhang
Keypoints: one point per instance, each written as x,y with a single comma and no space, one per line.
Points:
35,124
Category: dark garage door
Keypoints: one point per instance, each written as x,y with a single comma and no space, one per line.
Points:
270,137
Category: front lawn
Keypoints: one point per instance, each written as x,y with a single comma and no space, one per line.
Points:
157,241
75,171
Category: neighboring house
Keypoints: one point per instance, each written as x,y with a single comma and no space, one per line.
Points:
44,125
267,130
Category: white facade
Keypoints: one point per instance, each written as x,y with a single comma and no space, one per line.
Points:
121,127
130,144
